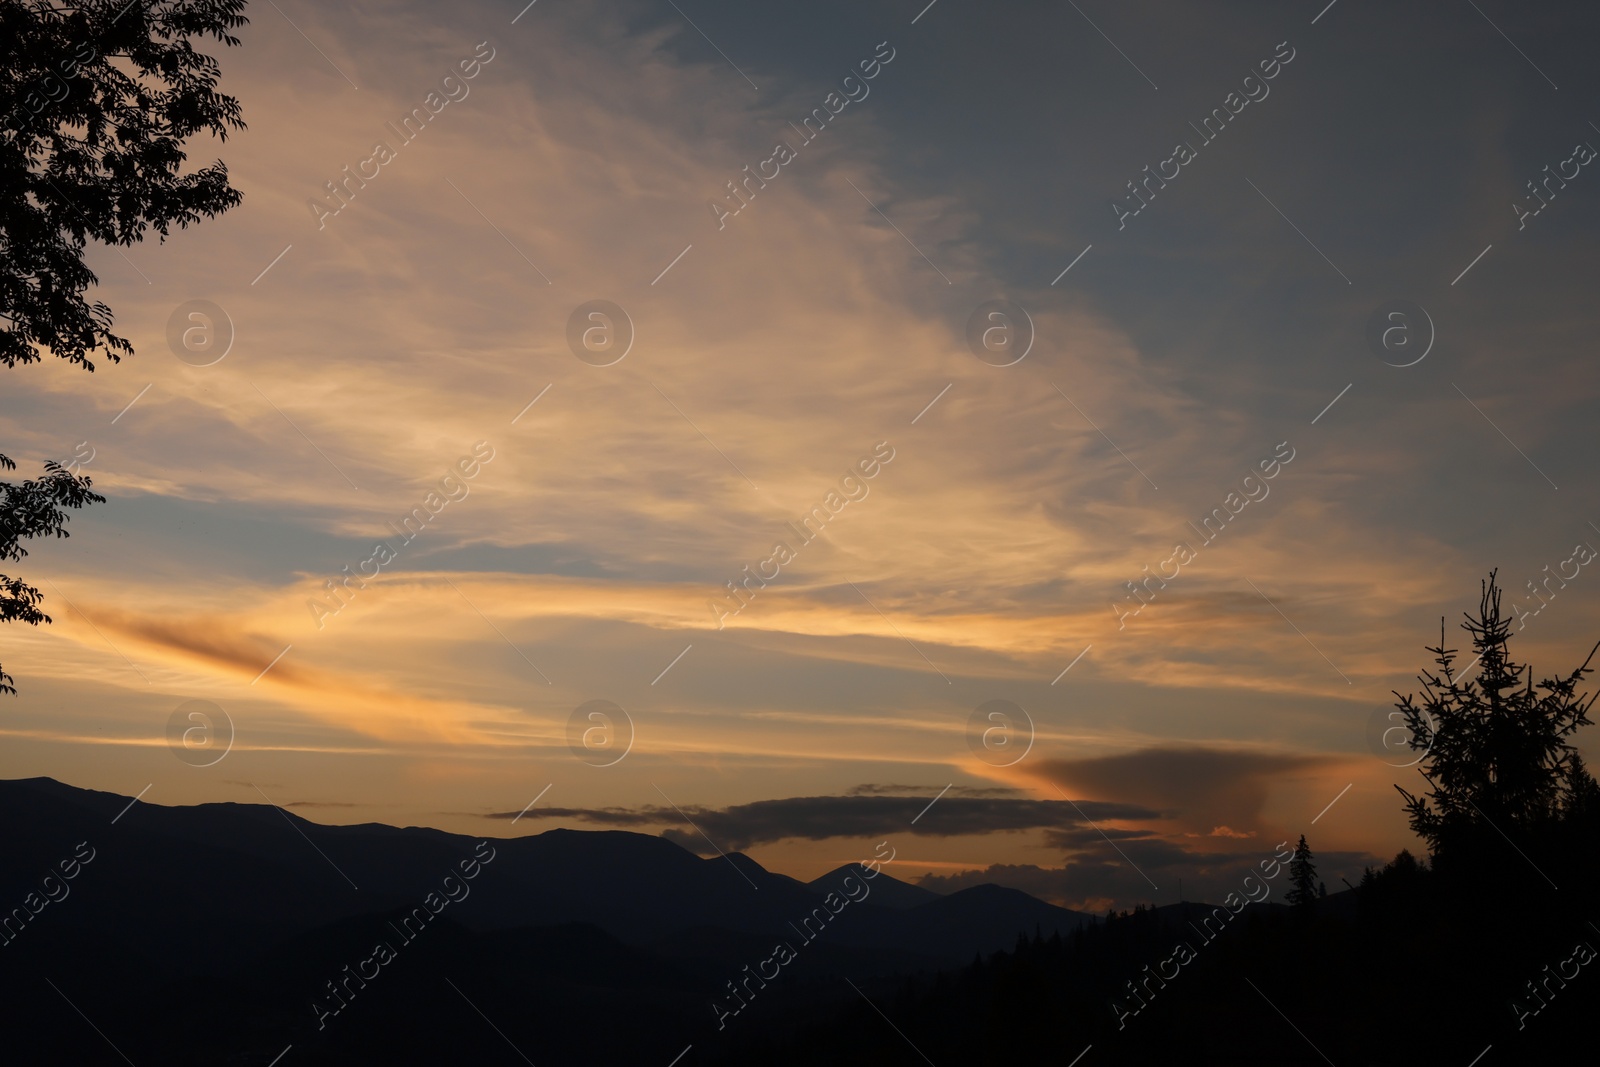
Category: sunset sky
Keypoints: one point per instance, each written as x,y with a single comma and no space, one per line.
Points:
823,326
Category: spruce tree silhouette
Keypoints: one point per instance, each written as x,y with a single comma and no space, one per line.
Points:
1302,877
98,101
1496,753
1580,794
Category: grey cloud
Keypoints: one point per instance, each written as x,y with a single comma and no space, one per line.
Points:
818,818
870,789
1213,786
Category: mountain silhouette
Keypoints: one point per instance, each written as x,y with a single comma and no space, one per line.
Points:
256,912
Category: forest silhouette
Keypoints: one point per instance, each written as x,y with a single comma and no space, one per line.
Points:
1481,944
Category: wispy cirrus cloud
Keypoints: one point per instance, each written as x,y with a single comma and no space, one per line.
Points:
380,348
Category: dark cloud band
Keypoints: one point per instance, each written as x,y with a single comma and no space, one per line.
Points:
817,818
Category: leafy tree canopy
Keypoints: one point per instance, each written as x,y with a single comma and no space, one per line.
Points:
33,509
99,100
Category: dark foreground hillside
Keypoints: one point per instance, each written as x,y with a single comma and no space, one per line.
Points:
1414,966
179,946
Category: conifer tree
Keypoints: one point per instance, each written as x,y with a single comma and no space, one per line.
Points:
1302,876
1496,754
